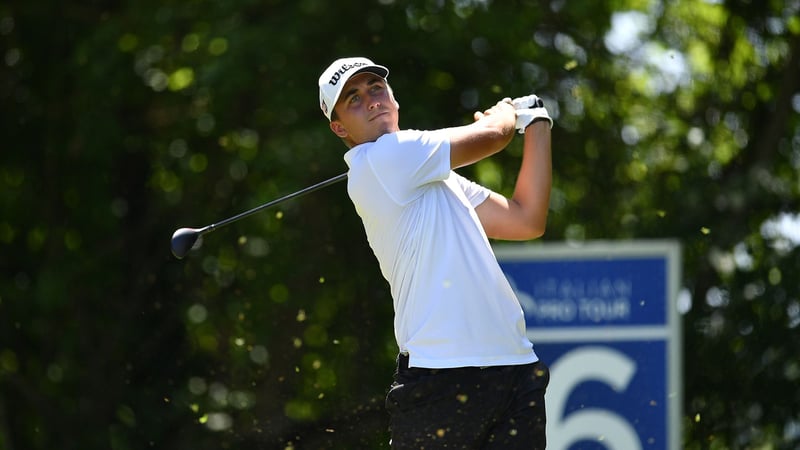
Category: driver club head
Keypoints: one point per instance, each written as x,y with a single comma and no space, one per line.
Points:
183,239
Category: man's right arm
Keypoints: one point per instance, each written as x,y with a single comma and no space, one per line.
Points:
491,132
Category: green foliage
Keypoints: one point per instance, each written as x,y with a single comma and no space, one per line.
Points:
125,121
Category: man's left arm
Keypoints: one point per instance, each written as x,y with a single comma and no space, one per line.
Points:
524,215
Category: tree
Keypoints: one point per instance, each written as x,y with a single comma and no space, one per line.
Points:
127,120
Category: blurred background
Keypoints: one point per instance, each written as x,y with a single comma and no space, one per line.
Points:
124,120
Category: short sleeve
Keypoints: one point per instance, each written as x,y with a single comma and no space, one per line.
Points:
406,161
475,193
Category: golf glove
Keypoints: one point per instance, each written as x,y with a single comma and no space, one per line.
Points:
529,108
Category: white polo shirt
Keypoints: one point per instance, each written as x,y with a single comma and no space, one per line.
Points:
453,305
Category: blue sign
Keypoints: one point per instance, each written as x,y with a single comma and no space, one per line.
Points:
586,293
603,317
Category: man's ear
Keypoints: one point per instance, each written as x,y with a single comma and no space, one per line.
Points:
338,129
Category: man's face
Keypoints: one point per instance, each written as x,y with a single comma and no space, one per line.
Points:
366,110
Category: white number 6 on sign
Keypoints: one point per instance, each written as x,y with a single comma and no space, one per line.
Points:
591,424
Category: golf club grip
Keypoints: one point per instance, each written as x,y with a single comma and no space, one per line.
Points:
303,191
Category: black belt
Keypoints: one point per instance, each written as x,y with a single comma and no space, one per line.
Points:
402,365
402,361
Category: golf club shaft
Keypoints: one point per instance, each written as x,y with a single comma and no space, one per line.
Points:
312,188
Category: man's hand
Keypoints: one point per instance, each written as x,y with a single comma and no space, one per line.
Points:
526,102
501,107
529,109
491,132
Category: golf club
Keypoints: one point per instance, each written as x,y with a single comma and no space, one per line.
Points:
183,239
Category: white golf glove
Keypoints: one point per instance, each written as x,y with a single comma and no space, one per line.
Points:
529,108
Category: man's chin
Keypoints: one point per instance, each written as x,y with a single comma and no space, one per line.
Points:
385,126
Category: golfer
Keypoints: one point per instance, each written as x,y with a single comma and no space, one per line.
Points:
467,376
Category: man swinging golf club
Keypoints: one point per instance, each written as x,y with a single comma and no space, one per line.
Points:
467,375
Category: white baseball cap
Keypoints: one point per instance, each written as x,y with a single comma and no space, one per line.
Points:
336,75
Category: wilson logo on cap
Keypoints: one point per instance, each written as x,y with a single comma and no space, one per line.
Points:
343,70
